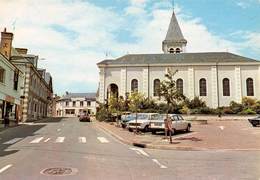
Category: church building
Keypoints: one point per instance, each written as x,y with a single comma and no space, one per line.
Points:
216,77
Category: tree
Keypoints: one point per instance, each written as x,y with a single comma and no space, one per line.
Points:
135,103
170,93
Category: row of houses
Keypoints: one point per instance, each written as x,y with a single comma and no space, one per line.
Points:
25,90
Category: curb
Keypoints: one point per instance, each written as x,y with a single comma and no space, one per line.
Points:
165,147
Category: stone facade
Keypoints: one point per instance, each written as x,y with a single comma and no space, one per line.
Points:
73,104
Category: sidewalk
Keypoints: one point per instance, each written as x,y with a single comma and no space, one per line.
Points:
12,124
216,135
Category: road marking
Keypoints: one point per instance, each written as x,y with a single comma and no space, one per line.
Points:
140,151
102,140
82,140
58,130
180,136
46,140
13,141
37,140
222,127
60,140
157,162
5,168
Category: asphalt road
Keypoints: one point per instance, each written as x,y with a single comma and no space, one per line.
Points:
89,153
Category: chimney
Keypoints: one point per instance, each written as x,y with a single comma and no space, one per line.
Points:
22,51
6,43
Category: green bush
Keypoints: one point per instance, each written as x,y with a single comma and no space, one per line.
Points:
227,110
195,103
247,111
236,107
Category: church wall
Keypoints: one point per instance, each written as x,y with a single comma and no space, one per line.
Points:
112,76
249,72
203,72
226,72
135,73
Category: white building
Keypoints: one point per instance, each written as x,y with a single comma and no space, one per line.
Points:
72,104
216,77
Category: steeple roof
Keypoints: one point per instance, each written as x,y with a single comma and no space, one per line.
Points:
174,33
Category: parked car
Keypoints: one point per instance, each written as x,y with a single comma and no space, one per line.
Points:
178,123
84,117
126,118
255,121
143,121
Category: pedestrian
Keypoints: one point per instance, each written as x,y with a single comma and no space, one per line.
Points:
168,127
6,119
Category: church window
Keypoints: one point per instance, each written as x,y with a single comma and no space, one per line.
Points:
179,85
134,85
156,87
178,50
250,87
226,87
171,50
203,87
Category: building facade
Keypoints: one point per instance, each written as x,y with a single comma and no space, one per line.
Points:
11,79
216,77
34,90
73,104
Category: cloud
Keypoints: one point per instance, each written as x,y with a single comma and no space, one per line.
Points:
75,35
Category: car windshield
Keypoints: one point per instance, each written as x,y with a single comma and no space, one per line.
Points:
142,116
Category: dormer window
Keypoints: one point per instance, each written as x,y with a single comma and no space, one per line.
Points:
178,50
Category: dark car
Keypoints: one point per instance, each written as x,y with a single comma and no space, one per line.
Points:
255,121
84,118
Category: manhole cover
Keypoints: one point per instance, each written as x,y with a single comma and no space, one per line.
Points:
59,171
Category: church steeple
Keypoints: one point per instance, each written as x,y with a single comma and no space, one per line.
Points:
174,41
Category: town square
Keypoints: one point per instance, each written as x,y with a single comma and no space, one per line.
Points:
130,89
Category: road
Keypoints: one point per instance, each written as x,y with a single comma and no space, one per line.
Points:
89,153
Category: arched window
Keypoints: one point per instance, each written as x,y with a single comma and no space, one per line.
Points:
226,87
134,85
178,50
179,85
156,87
203,87
250,87
171,50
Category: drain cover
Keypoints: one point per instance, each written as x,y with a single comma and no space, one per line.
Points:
59,171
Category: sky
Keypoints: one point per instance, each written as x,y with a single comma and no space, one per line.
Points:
72,36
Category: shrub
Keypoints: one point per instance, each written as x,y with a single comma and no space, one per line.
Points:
185,110
248,102
247,111
227,110
195,103
236,107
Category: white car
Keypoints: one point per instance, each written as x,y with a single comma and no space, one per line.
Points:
178,123
143,121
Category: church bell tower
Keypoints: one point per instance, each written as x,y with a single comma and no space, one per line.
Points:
174,41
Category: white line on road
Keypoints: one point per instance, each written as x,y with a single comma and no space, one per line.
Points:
140,151
180,136
157,162
60,140
13,141
102,140
5,168
46,140
82,140
37,140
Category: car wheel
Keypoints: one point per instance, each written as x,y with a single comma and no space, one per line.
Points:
130,130
173,131
153,132
146,128
188,128
254,125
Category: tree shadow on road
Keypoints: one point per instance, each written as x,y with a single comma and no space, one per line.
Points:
20,133
50,120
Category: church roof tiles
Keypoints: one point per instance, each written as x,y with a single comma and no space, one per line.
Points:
189,58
